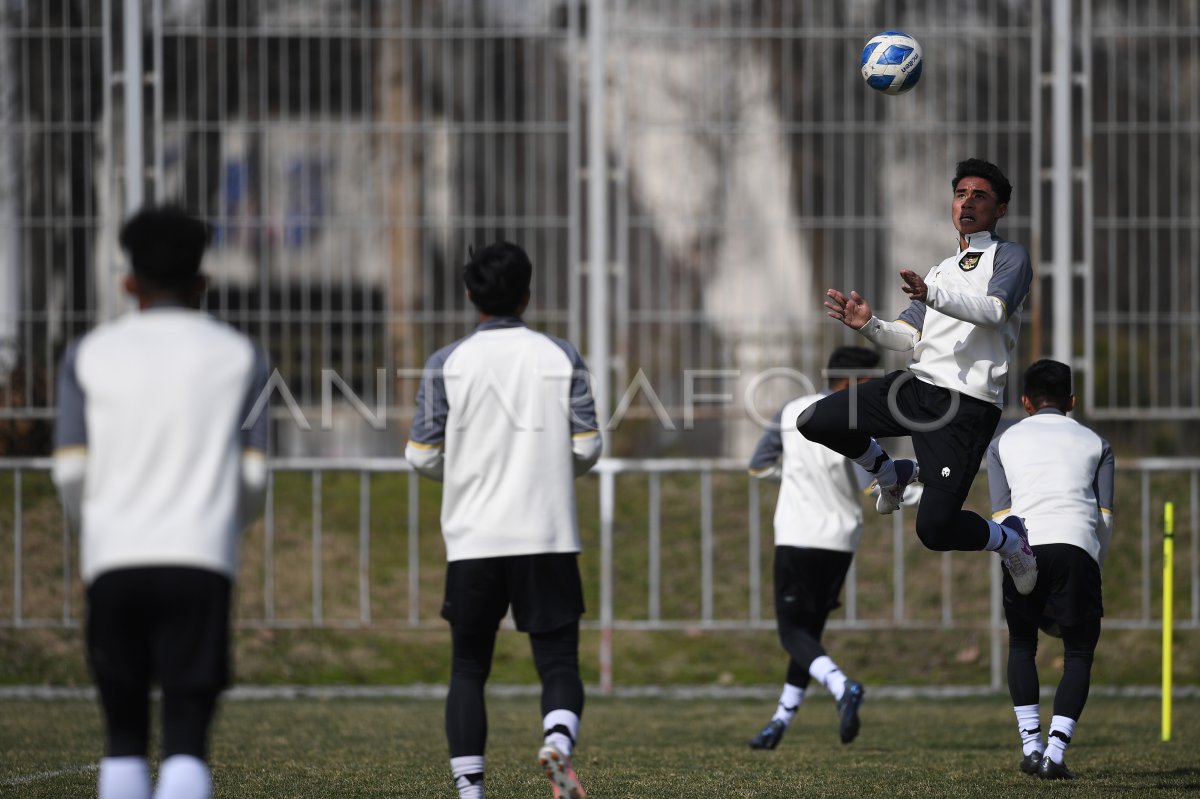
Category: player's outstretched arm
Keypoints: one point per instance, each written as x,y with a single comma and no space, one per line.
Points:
853,311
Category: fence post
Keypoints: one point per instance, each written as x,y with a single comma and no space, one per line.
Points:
607,504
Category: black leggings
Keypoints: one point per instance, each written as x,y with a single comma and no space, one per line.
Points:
556,656
949,455
1079,648
187,717
801,639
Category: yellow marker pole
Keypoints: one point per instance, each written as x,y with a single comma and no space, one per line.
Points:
1168,621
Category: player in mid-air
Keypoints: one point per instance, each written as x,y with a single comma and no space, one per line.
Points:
818,526
160,468
961,326
1058,476
505,419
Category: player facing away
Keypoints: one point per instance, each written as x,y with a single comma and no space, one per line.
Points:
818,525
961,327
505,419
159,472
1058,476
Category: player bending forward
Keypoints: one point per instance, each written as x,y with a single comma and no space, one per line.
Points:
1058,476
818,526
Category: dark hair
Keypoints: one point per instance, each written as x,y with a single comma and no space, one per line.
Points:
853,358
498,277
1048,382
978,168
165,246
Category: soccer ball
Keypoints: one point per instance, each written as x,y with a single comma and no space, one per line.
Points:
891,62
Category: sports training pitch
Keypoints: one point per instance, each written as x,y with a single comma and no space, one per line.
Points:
632,748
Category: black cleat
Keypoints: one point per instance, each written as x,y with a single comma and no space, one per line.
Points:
847,708
1031,763
1049,770
769,736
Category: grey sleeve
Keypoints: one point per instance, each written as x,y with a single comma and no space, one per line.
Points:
433,407
583,406
255,436
913,315
1012,274
997,481
70,429
1105,478
770,446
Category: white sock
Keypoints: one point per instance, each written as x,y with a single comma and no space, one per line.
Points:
1061,730
561,728
468,776
789,703
123,778
826,672
1002,540
878,464
183,777
1029,725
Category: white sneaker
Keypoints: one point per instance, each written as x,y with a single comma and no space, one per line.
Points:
1021,564
890,497
562,776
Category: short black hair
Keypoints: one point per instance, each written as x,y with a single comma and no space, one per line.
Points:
165,246
1048,382
978,168
853,358
498,276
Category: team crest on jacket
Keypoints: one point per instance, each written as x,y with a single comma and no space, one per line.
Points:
969,261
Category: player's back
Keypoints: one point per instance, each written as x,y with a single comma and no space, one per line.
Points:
509,473
818,502
1050,462
165,392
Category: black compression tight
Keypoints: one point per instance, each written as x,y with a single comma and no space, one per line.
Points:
1079,648
556,656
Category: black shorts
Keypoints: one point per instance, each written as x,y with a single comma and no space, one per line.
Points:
808,581
1068,589
545,592
950,431
164,624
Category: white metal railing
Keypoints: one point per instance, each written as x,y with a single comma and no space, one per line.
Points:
1139,521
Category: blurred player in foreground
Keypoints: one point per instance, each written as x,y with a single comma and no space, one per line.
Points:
961,327
505,419
159,474
1058,476
818,525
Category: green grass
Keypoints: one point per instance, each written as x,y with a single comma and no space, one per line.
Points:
386,652
631,748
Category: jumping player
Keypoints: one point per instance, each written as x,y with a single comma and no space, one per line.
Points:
961,326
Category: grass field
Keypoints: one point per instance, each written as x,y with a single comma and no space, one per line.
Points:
631,748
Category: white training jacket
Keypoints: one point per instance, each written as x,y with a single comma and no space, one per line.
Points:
152,459
1058,476
819,505
964,334
505,419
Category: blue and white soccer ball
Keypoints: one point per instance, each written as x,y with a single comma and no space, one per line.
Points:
891,62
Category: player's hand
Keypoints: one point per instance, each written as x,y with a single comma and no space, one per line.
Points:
915,286
852,311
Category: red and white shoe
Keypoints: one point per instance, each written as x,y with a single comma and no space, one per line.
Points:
889,498
1021,564
562,777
